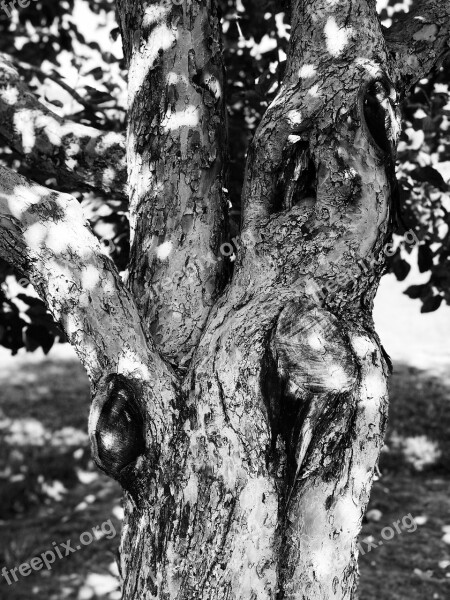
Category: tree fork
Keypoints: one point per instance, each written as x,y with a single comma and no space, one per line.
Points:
248,469
238,462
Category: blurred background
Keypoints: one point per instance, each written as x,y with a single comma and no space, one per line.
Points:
69,54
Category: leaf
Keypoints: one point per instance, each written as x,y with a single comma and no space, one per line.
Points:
114,33
97,73
37,307
31,342
431,304
57,103
94,46
97,96
425,258
429,175
12,327
417,291
400,267
444,169
38,336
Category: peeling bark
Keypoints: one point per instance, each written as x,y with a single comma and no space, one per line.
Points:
246,469
45,234
176,150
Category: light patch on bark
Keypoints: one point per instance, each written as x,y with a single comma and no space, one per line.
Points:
253,561
337,38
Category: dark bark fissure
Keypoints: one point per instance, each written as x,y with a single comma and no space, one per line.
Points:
297,182
120,435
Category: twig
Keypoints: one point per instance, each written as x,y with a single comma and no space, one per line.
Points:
60,81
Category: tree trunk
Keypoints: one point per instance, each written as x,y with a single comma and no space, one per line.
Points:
283,407
243,416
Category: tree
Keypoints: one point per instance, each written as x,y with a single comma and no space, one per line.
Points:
240,403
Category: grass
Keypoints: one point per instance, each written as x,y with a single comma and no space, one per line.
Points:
415,478
51,492
49,489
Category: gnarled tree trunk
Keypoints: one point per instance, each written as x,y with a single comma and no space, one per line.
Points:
243,415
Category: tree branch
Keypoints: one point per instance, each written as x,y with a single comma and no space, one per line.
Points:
176,146
54,76
317,200
45,235
419,40
305,141
78,156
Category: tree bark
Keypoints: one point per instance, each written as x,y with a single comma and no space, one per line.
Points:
285,399
246,433
419,41
176,150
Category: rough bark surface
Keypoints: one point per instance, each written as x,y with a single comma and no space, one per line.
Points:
45,234
419,41
176,149
246,468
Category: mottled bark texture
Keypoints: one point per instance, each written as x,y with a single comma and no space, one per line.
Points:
176,150
419,41
248,466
